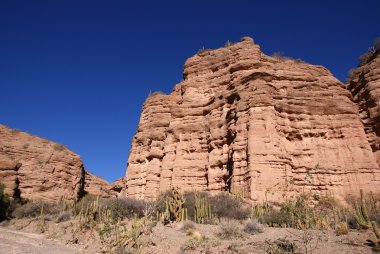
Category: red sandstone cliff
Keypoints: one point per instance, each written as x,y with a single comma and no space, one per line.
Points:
36,168
364,85
243,121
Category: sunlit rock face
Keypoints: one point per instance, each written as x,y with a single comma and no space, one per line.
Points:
242,121
364,85
33,168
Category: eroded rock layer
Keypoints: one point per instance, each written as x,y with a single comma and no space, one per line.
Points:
38,169
245,122
99,187
365,88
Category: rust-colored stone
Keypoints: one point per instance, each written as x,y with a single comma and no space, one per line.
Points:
242,121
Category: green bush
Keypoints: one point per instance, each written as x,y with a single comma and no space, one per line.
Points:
4,202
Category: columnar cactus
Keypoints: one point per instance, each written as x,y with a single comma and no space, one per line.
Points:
202,212
175,210
362,218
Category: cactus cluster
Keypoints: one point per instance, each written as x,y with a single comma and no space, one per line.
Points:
88,214
202,211
362,218
175,210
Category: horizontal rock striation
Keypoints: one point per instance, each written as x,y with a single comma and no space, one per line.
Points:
8,177
364,85
99,187
38,169
241,121
49,170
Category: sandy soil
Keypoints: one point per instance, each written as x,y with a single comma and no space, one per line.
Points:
174,239
16,242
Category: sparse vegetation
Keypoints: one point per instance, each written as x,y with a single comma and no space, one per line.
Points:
371,52
59,147
4,202
279,56
341,228
229,229
253,227
123,225
156,93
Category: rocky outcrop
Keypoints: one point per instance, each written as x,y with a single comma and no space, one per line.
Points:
364,85
245,122
98,186
49,170
36,168
8,177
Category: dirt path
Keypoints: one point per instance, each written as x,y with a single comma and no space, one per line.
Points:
16,242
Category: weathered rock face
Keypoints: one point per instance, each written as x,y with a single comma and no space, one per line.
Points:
245,122
98,186
35,168
8,177
365,88
49,170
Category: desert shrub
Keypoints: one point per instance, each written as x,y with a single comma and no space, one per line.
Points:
279,56
202,50
58,147
298,213
4,202
188,225
63,216
156,93
229,229
341,229
370,54
33,209
224,205
15,131
190,202
280,246
201,243
84,202
253,227
124,208
366,211
365,57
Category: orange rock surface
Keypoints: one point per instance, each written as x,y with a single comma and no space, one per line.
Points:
38,169
245,122
365,88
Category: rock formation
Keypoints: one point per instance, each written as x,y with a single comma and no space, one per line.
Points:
99,187
8,177
364,85
242,121
36,168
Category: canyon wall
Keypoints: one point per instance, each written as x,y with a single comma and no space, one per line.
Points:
38,169
364,85
242,121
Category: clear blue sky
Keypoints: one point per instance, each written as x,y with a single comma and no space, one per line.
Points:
77,72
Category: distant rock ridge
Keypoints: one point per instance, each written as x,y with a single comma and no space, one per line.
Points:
242,121
38,169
